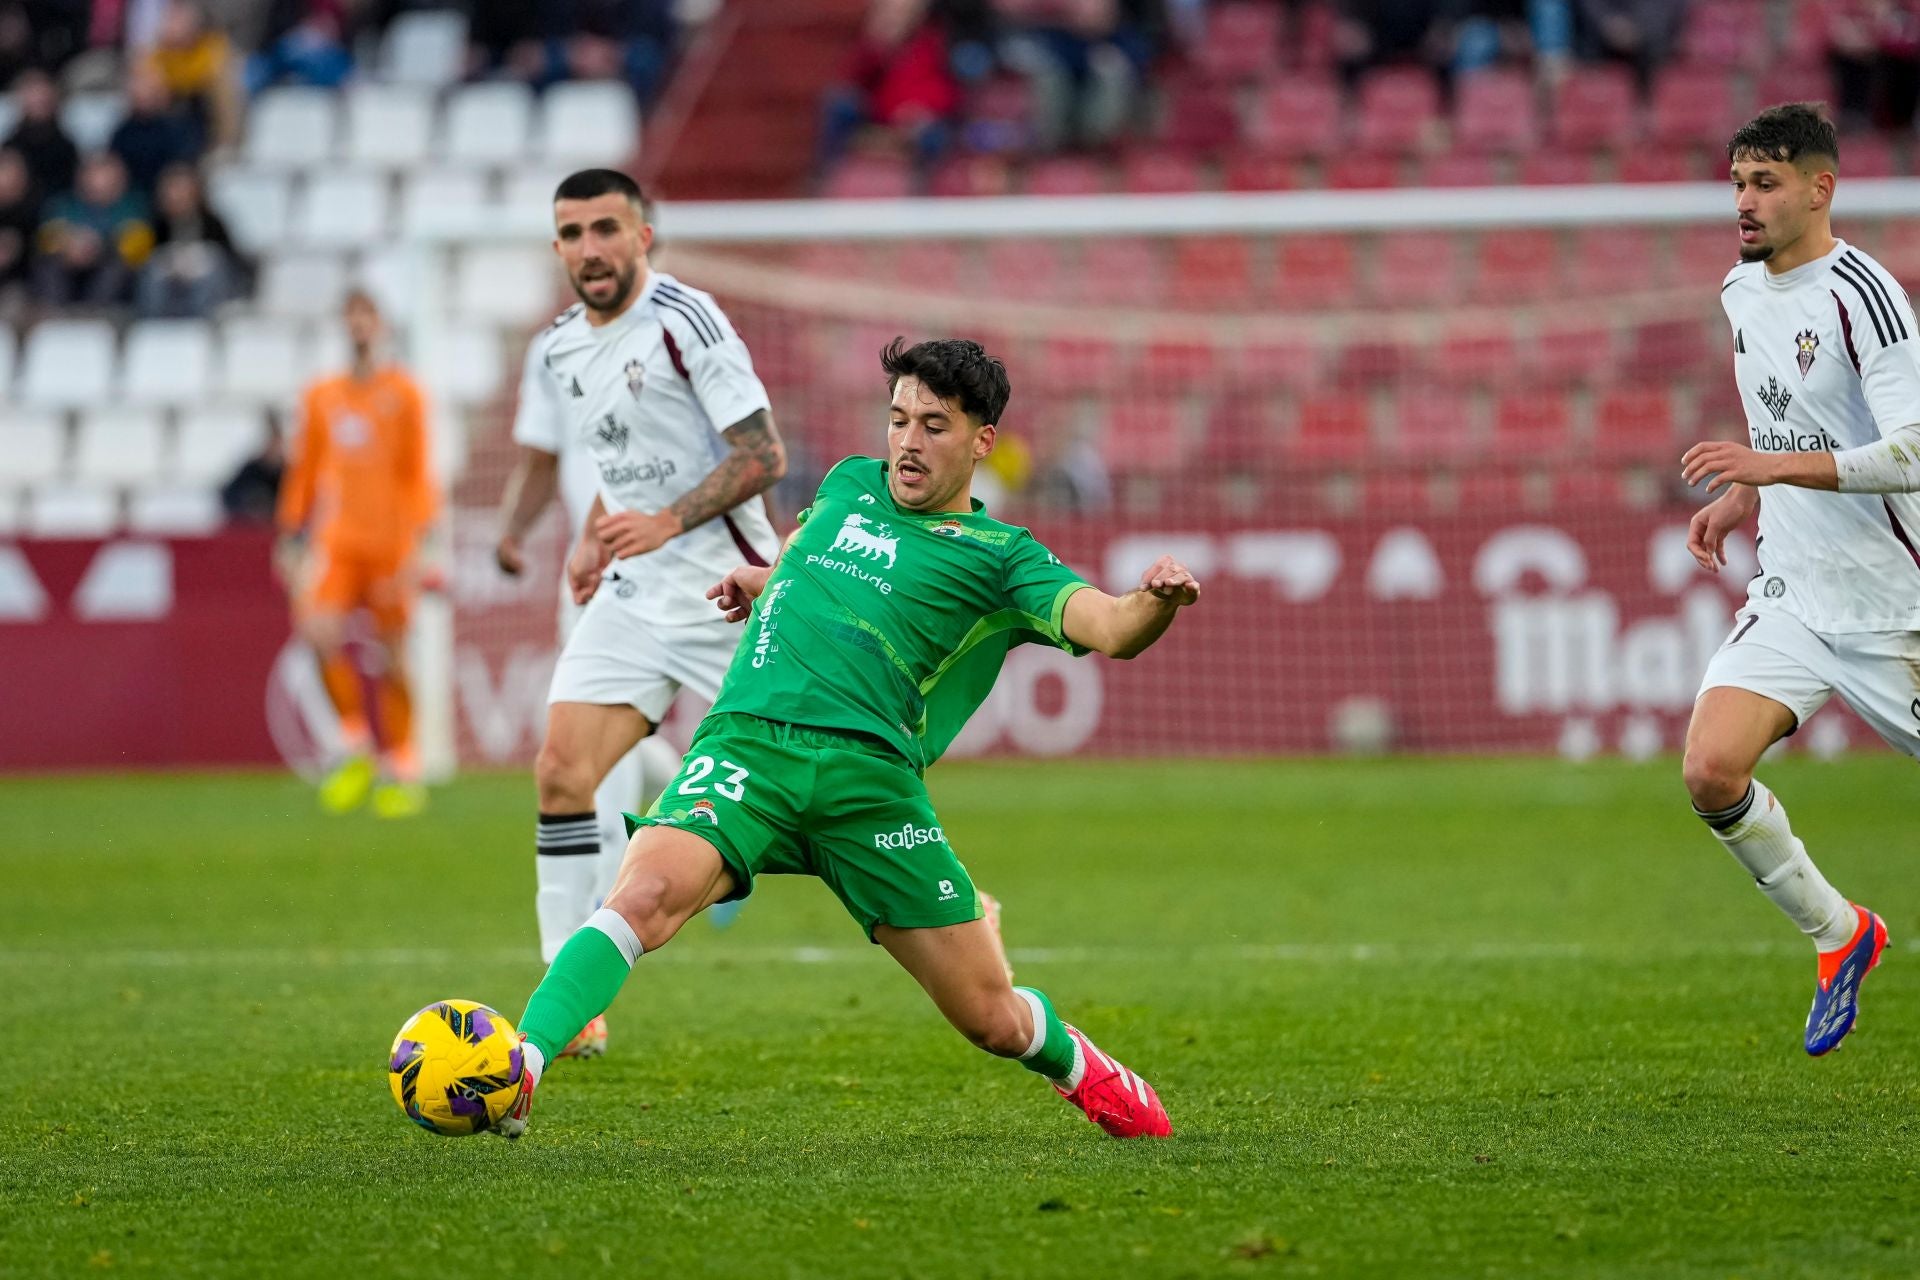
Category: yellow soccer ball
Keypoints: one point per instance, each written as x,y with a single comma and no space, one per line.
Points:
455,1067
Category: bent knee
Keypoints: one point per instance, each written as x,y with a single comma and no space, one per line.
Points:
643,902
997,1028
562,775
1714,780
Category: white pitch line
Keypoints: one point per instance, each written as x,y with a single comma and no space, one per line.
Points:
1389,953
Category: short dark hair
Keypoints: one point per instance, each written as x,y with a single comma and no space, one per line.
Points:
1789,133
590,183
953,369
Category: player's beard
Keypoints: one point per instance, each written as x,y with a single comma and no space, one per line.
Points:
622,290
1755,252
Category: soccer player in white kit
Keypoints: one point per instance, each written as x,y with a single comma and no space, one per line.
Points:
1826,352
659,394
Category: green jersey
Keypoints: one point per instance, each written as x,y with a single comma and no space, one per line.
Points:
893,623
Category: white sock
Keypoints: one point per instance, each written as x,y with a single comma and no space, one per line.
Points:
659,763
564,870
532,1060
618,793
1756,832
618,931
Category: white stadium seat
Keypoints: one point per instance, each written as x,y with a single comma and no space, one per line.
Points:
292,128
392,277
442,203
529,194
389,126
303,284
119,446
255,203
325,353
426,48
212,443
167,362
33,447
9,350
67,363
259,361
589,122
466,363
505,285
342,211
13,514
91,118
489,123
71,512
180,513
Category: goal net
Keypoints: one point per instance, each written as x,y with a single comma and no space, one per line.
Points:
1421,449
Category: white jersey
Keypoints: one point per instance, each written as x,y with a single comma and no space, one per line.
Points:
645,399
540,422
1827,357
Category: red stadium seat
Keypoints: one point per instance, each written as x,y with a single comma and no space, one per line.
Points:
1642,164
1479,490
1212,271
1416,268
1314,272
1363,171
1696,106
1142,436
1078,365
1606,260
1398,110
1564,357
1796,82
1726,33
1241,42
1555,167
1025,270
1000,114
1480,357
983,175
1161,173
1596,107
1432,425
845,261
1870,155
1702,255
1669,349
1332,428
1173,364
870,177
1532,424
1065,176
1459,169
1266,365
1494,111
1405,496
1241,435
1807,35
938,267
1518,264
1314,38
1198,117
1375,361
1253,171
1298,116
1121,269
1636,425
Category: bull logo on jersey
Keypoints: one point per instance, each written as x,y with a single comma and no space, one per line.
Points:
610,436
1776,398
862,537
636,378
1809,342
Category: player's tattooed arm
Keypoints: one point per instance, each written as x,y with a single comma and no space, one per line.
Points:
754,463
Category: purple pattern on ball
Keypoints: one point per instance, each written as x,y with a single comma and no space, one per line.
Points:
460,1105
482,1024
515,1065
403,1054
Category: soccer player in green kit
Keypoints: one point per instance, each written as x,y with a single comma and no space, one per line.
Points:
876,633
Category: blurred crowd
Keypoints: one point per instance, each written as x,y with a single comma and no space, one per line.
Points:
128,224
922,68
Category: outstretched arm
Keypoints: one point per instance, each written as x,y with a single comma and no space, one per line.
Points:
1888,465
755,461
1123,626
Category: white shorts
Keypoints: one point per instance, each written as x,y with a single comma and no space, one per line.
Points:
614,655
1777,656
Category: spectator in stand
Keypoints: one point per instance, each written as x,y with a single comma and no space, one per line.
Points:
41,35
610,39
1372,33
197,63
304,42
1873,48
1640,33
898,78
1087,60
195,266
19,216
1538,33
93,238
156,133
506,38
52,159
253,495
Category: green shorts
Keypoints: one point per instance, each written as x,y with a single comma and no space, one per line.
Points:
779,799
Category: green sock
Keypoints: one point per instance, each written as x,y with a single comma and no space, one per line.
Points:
585,977
1053,1053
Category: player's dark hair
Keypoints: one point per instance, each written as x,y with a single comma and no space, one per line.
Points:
953,369
590,183
1789,133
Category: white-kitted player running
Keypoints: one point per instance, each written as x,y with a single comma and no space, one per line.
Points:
658,393
1827,355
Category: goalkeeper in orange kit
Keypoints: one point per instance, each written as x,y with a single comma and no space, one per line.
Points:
357,500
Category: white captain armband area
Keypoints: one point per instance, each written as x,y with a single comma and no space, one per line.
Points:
1888,465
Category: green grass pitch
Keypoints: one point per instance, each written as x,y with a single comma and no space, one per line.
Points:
1423,1018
